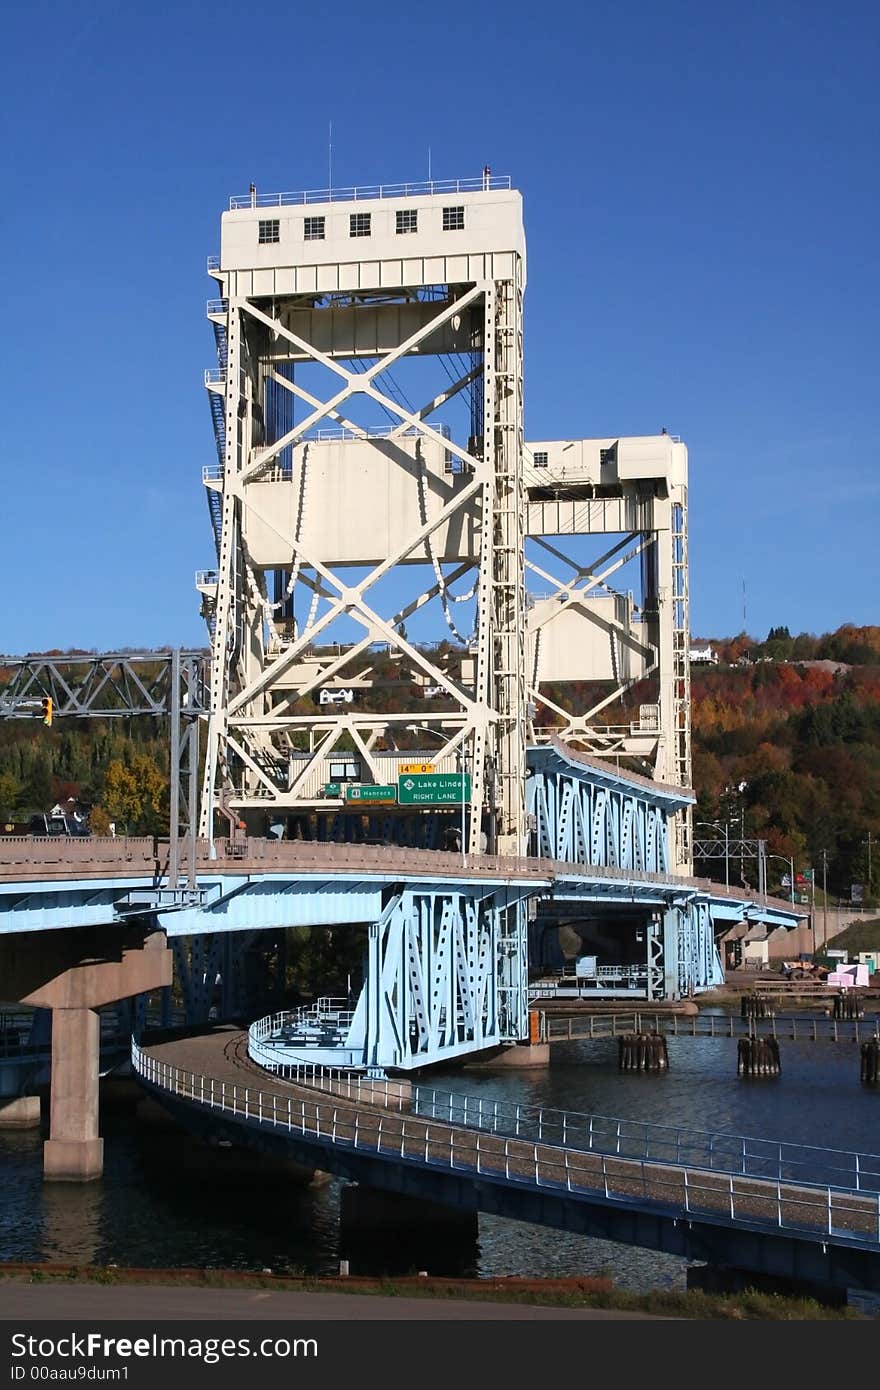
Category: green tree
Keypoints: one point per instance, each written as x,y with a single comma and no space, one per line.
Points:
11,794
135,794
38,791
99,821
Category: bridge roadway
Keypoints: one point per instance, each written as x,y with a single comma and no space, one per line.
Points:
127,874
367,1133
559,1027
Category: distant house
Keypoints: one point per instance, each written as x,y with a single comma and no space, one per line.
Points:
702,653
72,812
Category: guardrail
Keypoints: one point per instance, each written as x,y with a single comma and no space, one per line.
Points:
483,184
325,1023
306,855
743,1155
596,1027
824,1211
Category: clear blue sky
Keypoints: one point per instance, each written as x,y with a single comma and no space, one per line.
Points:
708,171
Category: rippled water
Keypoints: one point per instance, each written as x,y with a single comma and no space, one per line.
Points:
167,1201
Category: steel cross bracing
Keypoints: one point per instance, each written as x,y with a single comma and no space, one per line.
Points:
681,700
642,510
106,685
444,978
257,679
586,823
582,729
112,685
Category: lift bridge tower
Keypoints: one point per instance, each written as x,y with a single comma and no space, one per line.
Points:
368,412
371,478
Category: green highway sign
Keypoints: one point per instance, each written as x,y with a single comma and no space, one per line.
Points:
433,789
332,789
374,795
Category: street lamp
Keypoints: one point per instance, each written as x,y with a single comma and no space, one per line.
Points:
716,825
790,863
460,754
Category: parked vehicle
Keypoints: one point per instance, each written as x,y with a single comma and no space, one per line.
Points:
804,970
61,824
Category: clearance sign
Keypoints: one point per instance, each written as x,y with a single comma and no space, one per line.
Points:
416,767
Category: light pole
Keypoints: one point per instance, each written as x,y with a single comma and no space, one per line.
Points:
790,863
716,825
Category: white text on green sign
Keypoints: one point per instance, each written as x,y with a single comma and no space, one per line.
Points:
373,795
437,789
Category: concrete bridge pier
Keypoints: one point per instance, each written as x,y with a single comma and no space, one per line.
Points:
74,1152
73,973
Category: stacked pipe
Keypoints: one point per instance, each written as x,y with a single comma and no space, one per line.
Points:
847,1004
753,1006
642,1052
871,1061
758,1057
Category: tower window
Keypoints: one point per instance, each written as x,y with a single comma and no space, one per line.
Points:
407,220
269,231
359,224
345,770
313,228
453,219
541,458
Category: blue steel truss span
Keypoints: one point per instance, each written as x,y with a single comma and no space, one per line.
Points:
446,936
712,1198
447,956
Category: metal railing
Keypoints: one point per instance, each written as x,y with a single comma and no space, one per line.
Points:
215,376
326,1023
212,263
825,1211
372,432
208,578
216,306
600,1027
484,184
742,1155
306,855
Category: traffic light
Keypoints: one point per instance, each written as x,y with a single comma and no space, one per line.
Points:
46,703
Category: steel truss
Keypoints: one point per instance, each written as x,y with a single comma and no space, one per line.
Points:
582,728
106,685
446,976
583,822
648,523
230,974
256,678
691,958
109,685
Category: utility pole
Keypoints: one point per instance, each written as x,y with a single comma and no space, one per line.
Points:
825,899
869,842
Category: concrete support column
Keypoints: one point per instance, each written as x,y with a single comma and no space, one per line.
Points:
73,973
73,1152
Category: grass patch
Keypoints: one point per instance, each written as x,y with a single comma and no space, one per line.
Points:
598,1293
